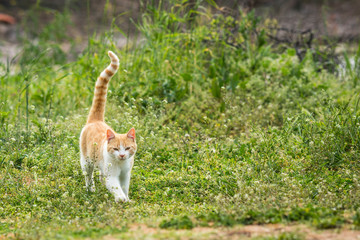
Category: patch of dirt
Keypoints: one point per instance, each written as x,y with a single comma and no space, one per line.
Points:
142,231
332,18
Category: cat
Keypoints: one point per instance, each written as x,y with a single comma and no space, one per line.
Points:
112,153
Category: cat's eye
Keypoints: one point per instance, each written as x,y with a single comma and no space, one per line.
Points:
128,148
116,149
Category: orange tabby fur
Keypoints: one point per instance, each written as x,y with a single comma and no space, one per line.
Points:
101,147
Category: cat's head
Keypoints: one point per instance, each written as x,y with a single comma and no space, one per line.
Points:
121,146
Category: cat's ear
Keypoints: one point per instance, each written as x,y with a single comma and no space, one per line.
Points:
131,133
109,135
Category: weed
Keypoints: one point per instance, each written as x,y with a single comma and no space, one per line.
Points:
181,222
356,219
284,236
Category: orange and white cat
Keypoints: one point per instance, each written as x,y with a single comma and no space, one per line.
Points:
100,147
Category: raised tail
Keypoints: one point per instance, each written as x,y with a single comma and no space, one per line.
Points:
97,110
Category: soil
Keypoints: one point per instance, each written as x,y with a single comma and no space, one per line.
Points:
137,231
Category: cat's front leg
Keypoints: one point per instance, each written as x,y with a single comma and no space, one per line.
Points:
113,185
125,183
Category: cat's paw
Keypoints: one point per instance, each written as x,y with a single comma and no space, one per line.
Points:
92,189
121,199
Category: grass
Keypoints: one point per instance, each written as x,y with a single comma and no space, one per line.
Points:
229,132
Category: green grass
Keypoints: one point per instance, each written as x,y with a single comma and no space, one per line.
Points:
227,134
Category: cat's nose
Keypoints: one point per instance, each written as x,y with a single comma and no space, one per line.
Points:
122,155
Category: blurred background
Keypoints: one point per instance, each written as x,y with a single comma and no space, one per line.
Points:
334,18
297,22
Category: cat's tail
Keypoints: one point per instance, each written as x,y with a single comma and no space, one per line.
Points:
97,110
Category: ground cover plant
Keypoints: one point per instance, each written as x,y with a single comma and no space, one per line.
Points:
231,130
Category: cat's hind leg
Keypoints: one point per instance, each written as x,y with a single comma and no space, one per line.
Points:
102,178
101,173
87,168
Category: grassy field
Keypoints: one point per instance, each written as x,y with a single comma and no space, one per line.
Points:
231,130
